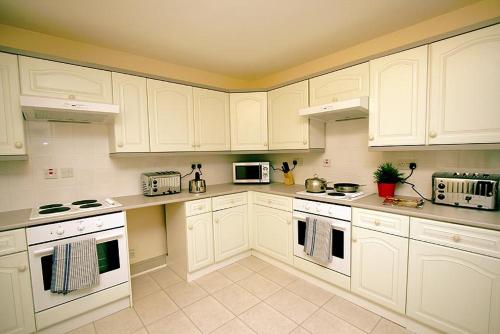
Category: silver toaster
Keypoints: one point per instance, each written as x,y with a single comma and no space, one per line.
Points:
161,183
472,190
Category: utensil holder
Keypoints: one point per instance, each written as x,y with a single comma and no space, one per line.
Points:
289,179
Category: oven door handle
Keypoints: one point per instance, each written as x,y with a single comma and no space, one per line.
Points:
48,251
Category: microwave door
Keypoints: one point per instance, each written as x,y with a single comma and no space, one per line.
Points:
247,173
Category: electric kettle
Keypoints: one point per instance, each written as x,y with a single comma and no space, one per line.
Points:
197,185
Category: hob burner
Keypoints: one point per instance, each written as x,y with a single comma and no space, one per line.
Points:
50,206
336,194
90,205
85,201
54,210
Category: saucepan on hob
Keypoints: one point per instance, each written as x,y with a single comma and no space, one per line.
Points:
320,185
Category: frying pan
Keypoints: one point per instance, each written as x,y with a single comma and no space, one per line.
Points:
347,187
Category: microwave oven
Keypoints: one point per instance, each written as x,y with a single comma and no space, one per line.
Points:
251,172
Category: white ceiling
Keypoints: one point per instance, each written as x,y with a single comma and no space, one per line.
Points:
242,39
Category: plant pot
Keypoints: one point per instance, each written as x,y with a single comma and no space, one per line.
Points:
386,189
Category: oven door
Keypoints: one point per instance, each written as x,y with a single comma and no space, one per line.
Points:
341,242
113,267
247,172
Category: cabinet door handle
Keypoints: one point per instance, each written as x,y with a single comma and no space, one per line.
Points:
71,97
371,137
432,134
120,144
18,144
456,238
265,143
304,142
376,222
190,226
354,239
216,221
289,221
22,268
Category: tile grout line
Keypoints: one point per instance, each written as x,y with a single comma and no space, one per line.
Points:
378,322
344,319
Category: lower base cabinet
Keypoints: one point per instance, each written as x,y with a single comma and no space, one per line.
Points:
16,302
230,232
273,232
379,267
452,290
200,242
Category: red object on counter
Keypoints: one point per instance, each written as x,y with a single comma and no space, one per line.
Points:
386,189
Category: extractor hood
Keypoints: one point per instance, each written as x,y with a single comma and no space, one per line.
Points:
50,109
338,111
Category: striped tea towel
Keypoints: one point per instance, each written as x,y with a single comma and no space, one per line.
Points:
74,266
318,239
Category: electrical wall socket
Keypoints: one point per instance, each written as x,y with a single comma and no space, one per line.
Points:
405,164
327,162
66,172
51,173
300,161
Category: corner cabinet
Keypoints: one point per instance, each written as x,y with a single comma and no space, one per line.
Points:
248,121
200,246
211,120
464,84
230,232
171,119
344,84
398,99
12,139
130,129
58,80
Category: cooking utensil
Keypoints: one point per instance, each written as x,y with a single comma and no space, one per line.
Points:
347,187
197,185
315,184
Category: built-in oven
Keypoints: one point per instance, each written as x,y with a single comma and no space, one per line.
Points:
251,172
339,218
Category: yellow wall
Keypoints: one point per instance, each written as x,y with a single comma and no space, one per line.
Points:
38,44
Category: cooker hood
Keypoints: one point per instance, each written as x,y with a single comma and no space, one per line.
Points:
338,111
36,108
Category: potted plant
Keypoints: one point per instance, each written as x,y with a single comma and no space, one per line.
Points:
386,176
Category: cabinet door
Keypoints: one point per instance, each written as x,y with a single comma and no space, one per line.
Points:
288,130
211,118
248,121
16,309
379,264
53,79
344,84
273,232
11,127
171,121
131,132
200,242
453,290
398,98
464,86
230,232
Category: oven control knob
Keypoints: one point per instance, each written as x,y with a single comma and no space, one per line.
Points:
318,208
307,207
80,228
60,231
331,211
99,223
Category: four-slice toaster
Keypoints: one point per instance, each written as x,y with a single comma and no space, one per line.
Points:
161,183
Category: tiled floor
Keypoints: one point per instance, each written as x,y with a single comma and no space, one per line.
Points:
250,296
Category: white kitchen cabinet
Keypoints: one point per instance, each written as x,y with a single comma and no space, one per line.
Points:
130,128
16,309
12,140
200,242
453,290
230,232
171,119
211,120
464,86
340,85
288,130
273,232
41,77
248,121
379,264
398,98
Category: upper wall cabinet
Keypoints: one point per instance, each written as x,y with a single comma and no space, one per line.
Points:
52,79
464,88
398,98
248,121
171,121
131,124
211,119
11,127
345,84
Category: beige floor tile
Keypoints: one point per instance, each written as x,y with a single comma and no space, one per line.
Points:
165,277
234,326
278,276
123,322
294,307
87,329
143,285
259,286
262,318
352,313
253,263
176,323
185,293
310,292
236,272
208,314
213,282
387,327
323,322
300,330
154,307
236,299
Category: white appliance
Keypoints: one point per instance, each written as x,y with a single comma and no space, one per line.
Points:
339,110
80,206
109,232
251,172
331,194
36,108
339,217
